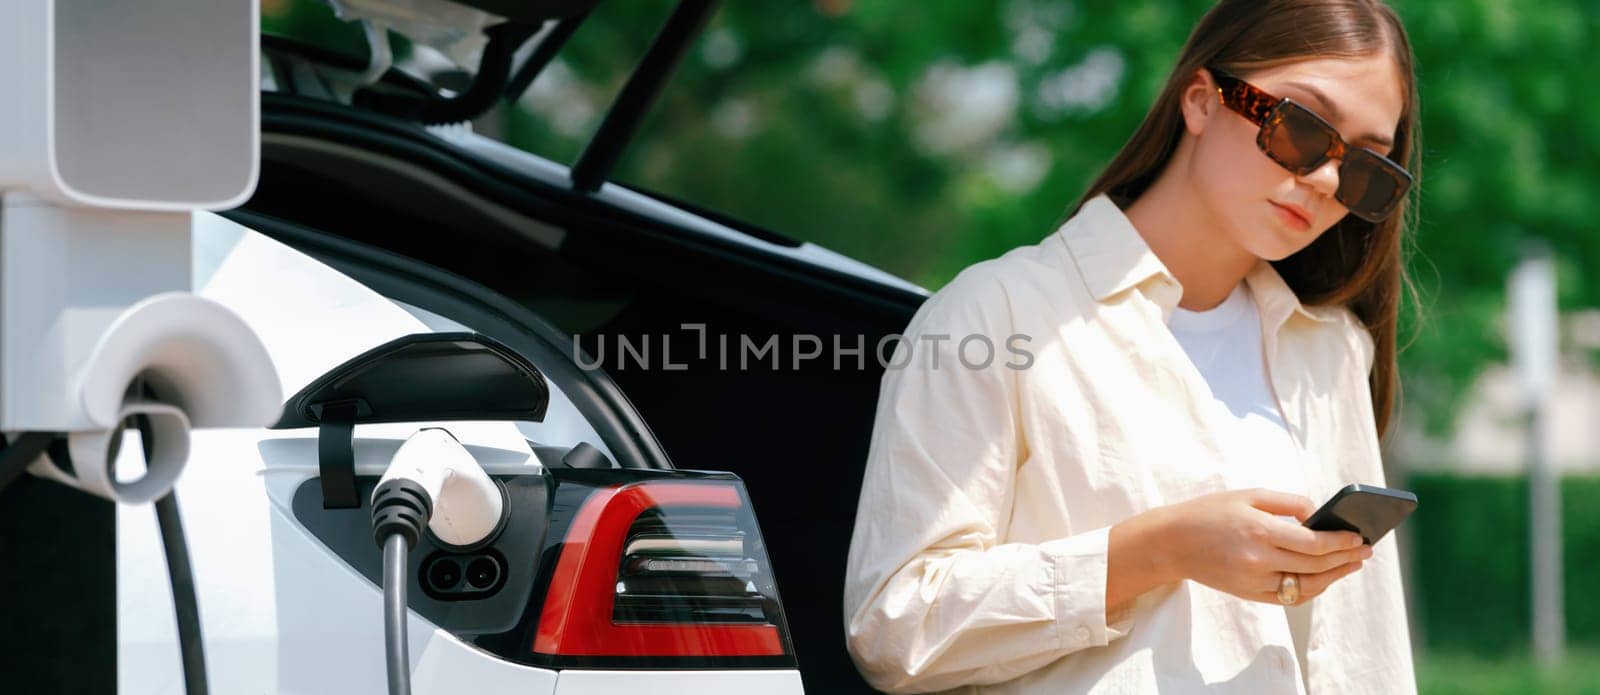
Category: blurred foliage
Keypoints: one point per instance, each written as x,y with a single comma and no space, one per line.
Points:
922,137
1470,580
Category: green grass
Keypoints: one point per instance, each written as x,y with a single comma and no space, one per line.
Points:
1452,673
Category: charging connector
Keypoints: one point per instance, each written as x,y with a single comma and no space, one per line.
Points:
432,482
467,505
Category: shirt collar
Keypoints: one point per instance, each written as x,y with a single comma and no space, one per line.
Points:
1112,257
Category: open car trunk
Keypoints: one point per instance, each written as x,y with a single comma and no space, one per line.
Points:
393,205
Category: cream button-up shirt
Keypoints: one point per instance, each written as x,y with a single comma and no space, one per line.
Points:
978,561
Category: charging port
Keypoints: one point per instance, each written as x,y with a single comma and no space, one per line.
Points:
462,577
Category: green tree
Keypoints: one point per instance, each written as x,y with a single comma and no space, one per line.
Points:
922,137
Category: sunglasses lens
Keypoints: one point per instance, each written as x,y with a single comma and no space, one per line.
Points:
1369,185
1297,139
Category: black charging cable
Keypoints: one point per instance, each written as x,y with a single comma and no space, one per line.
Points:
185,605
15,458
400,510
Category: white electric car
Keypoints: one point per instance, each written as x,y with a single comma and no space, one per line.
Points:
656,389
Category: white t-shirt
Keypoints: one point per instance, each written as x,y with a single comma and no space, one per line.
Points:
1224,344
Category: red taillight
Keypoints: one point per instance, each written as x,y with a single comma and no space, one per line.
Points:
661,569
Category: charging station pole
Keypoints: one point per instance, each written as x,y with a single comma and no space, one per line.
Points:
1535,349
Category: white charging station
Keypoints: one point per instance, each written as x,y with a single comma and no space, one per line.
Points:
148,105
121,120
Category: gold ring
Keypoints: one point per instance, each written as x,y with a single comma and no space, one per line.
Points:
1289,589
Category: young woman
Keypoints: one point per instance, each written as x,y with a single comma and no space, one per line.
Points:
1209,350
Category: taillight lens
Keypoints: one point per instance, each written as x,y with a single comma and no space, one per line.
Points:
688,566
663,569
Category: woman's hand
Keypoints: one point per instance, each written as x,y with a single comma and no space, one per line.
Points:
1235,542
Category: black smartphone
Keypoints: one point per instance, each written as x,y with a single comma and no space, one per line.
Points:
1365,509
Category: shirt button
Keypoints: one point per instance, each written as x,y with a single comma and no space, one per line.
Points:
1082,633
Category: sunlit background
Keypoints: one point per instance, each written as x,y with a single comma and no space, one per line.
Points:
924,136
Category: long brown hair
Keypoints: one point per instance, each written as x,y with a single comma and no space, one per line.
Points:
1357,264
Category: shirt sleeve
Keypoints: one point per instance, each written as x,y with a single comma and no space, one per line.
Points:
933,600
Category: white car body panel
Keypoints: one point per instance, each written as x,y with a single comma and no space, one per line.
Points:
776,682
280,612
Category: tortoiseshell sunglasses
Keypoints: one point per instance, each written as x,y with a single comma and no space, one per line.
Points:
1370,184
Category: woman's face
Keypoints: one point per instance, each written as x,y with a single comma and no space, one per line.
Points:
1262,207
